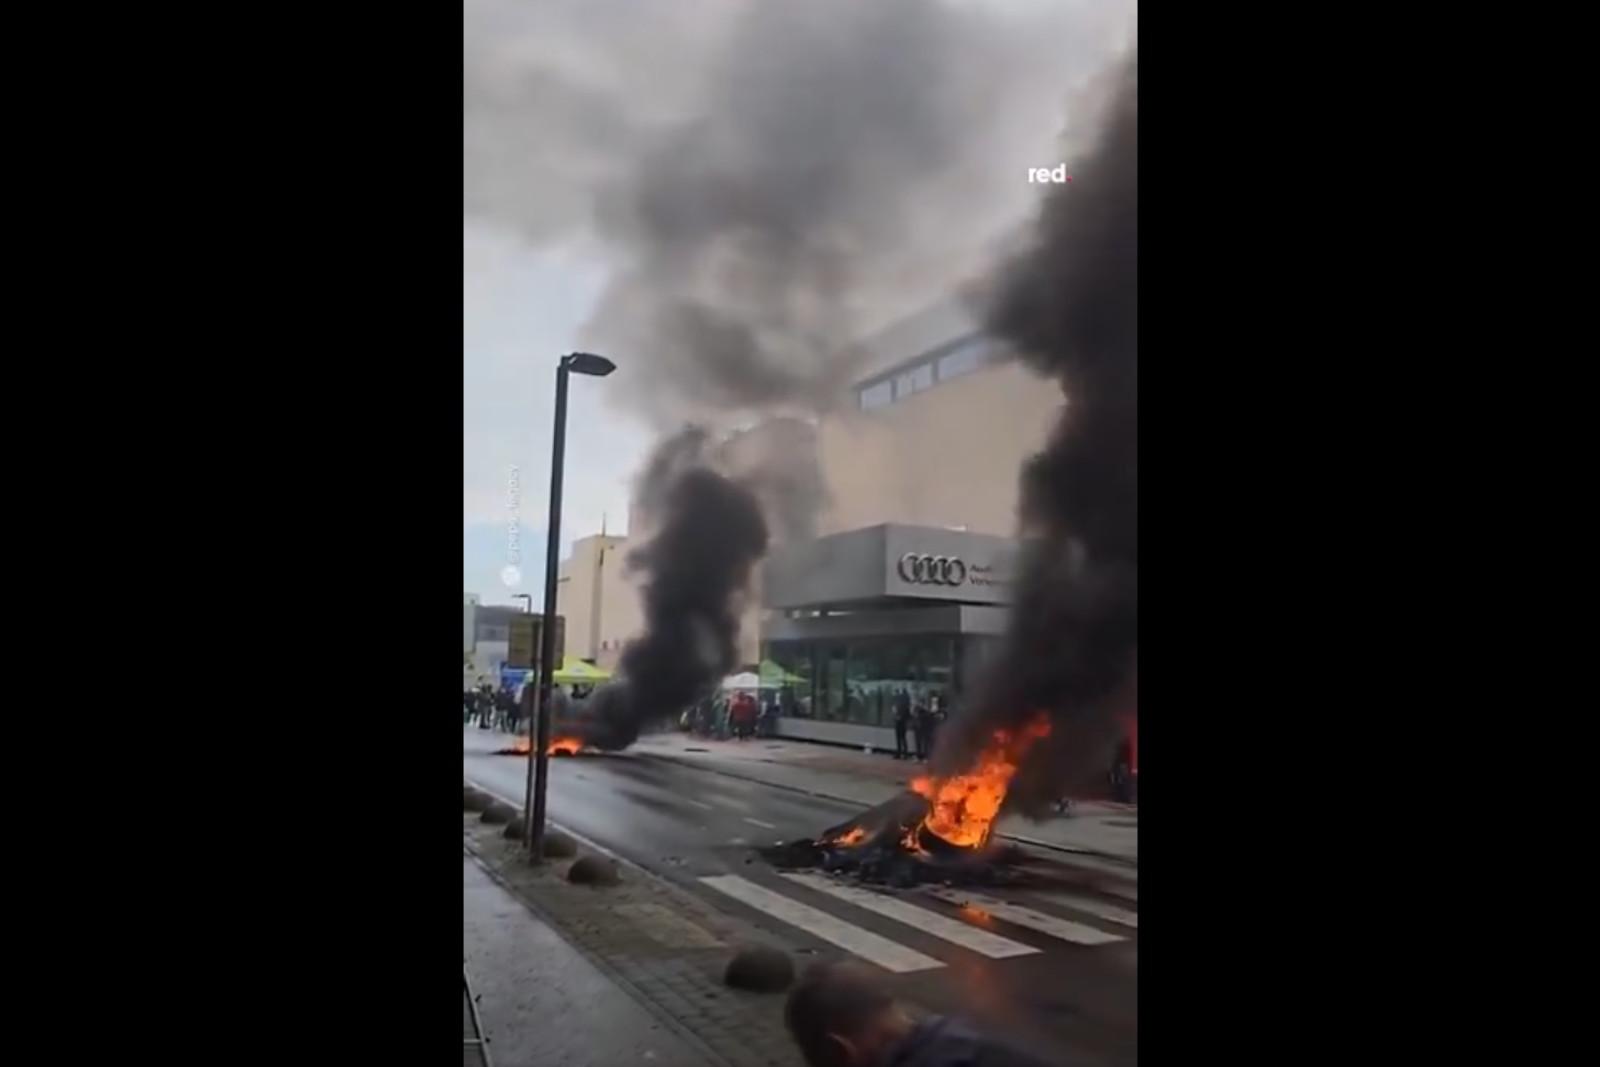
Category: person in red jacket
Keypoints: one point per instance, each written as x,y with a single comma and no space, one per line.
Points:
744,716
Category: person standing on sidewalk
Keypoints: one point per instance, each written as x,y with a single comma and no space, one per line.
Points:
1122,780
922,724
902,720
936,717
513,710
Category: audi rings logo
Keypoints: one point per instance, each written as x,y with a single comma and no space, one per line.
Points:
932,570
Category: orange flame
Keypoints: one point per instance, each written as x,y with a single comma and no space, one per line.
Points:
855,836
964,806
563,746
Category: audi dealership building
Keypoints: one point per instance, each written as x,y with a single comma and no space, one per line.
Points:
907,584
854,616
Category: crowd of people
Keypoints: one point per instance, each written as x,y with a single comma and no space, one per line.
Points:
491,708
510,707
741,715
738,716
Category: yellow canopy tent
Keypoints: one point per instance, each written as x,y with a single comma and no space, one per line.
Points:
577,672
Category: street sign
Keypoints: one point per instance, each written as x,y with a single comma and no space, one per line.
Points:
525,636
524,641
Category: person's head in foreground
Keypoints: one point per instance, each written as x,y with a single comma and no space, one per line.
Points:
841,1016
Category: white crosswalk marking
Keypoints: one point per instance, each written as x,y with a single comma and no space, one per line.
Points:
887,954
929,922
1077,933
1090,906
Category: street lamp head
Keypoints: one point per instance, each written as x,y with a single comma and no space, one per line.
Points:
589,363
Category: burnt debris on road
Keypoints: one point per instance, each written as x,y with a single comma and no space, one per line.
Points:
892,844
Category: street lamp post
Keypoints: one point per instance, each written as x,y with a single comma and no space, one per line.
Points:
539,760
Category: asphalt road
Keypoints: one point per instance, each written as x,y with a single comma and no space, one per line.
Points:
1055,970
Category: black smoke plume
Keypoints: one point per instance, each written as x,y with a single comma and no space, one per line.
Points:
707,534
842,161
1069,304
767,183
777,460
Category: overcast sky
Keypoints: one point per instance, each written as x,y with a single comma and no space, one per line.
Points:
521,309
565,98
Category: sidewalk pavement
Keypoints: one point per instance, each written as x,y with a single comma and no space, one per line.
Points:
540,1001
658,942
1101,829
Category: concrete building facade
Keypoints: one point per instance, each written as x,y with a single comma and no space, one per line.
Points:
907,585
598,600
936,429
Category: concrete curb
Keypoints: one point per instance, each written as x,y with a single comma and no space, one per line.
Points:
1131,868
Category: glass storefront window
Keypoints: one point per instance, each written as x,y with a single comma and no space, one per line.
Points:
866,683
831,687
795,699
856,681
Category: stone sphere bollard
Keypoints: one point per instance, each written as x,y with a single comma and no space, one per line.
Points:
498,812
594,870
760,969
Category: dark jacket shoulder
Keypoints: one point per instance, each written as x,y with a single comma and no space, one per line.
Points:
946,1042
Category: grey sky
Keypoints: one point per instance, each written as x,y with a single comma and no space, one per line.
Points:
521,308
567,100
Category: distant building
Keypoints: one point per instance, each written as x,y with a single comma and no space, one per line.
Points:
599,603
491,642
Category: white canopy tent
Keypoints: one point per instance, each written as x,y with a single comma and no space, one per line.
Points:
749,681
